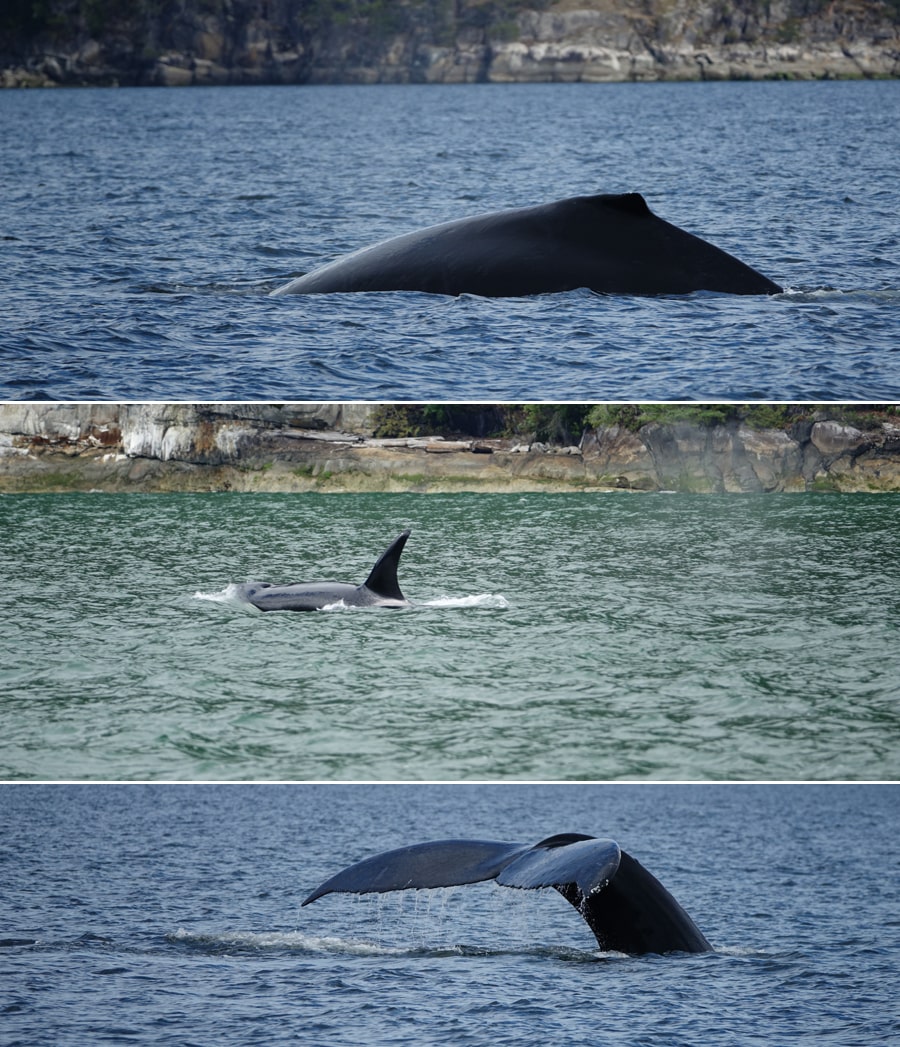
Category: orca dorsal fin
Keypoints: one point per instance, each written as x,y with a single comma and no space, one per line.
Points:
382,578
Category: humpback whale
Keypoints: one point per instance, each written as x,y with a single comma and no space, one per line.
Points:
611,244
380,589
626,907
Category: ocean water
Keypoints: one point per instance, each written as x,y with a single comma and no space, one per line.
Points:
142,230
171,915
570,636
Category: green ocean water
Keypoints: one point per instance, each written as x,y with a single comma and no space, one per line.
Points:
574,636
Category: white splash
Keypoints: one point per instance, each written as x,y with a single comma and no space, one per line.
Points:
285,940
479,600
230,594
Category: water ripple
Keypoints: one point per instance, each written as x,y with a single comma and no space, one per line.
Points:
120,285
551,636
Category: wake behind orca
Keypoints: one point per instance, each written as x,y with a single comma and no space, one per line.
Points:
626,907
609,244
380,589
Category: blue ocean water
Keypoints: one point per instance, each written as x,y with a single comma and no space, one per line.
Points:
171,915
141,231
552,636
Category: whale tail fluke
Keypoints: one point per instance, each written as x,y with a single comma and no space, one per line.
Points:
441,863
634,913
382,580
626,907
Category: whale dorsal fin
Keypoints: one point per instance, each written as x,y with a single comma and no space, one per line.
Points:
382,578
630,203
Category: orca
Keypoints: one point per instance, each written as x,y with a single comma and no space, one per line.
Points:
626,907
611,244
380,589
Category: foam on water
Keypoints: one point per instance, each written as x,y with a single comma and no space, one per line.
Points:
231,595
490,600
281,940
333,945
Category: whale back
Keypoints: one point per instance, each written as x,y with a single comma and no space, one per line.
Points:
611,244
380,588
644,254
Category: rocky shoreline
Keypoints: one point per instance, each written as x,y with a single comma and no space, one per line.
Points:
590,41
329,448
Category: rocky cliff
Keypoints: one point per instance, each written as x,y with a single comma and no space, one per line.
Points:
329,447
442,41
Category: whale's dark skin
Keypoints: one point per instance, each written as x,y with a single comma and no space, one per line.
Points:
380,589
609,244
627,909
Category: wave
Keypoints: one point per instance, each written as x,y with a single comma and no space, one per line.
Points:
834,294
